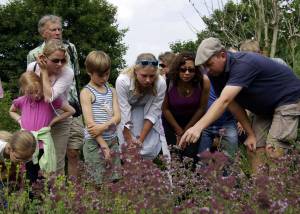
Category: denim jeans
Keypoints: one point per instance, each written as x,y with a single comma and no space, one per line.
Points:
229,135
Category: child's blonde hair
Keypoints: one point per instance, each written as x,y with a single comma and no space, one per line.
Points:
5,136
20,141
23,141
30,82
138,89
97,62
53,45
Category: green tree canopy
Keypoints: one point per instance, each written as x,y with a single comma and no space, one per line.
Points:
275,24
89,24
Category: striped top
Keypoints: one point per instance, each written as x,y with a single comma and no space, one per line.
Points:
102,109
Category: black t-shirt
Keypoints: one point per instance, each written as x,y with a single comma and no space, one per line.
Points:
265,83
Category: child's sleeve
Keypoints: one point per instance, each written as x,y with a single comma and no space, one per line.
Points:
57,103
18,103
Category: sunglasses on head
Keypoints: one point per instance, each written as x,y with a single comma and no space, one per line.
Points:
147,62
56,61
162,65
190,70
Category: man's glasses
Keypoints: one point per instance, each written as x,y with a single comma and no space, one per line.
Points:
162,65
190,70
147,62
56,61
56,29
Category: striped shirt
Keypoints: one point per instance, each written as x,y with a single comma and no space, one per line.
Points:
102,109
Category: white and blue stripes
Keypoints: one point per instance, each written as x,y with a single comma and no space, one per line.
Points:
102,108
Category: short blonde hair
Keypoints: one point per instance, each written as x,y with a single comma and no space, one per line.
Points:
6,136
53,45
20,141
97,62
30,81
250,46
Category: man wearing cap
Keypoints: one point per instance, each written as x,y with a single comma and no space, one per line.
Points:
251,81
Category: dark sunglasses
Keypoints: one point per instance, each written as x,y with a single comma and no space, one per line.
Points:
56,61
147,62
183,70
162,65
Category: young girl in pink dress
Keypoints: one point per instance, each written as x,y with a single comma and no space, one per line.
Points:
38,116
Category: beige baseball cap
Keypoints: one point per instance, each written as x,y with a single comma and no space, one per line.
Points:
207,49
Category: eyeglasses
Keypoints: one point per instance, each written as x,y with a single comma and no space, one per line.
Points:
56,29
162,65
147,62
56,61
190,70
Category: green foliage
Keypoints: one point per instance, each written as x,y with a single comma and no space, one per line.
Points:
178,46
237,22
89,24
6,123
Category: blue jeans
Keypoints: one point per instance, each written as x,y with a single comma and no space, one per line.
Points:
228,133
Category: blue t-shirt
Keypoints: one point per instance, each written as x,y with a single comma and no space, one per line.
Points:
226,116
265,83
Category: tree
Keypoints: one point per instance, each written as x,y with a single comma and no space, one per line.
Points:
89,24
274,23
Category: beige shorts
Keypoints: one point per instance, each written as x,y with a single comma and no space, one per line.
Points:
66,134
279,130
76,133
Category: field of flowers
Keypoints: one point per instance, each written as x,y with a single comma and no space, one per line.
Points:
159,187
179,187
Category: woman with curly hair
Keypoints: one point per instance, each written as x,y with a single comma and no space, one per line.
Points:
185,101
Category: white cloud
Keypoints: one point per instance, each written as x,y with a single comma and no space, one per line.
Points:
153,25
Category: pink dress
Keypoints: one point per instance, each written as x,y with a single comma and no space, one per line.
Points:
36,114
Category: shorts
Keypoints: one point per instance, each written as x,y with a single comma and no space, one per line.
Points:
76,133
279,130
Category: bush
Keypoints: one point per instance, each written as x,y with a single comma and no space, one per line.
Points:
6,123
145,188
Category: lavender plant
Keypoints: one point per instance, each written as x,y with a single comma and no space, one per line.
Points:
145,187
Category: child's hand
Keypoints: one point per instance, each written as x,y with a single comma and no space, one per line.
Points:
107,156
135,143
95,129
19,122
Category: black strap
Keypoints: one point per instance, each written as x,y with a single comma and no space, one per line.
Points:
34,67
72,59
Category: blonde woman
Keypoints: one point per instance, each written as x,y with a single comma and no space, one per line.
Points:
56,78
141,92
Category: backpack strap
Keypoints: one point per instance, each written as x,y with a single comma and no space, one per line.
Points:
70,52
34,67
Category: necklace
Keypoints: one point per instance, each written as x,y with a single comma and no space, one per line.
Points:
185,91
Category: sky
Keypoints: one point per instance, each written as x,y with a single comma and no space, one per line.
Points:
155,24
